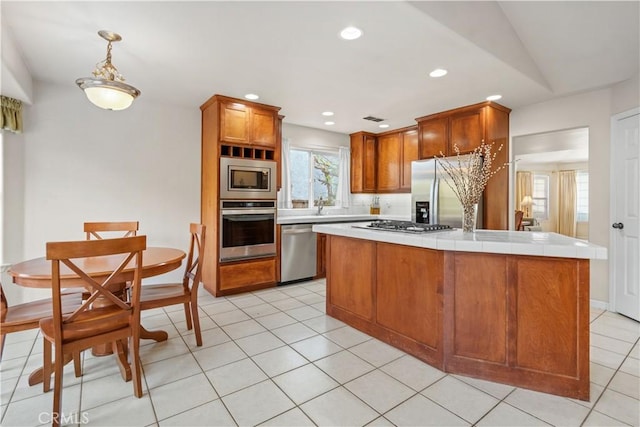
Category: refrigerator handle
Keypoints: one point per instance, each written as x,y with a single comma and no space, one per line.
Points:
434,217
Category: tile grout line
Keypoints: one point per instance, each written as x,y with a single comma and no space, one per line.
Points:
593,407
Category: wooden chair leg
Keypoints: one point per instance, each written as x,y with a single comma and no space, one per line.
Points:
57,386
187,315
46,365
1,345
77,363
196,323
136,372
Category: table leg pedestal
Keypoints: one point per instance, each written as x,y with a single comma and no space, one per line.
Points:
153,335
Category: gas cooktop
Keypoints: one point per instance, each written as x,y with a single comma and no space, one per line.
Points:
403,226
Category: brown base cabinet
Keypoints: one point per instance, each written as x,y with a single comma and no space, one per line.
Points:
514,319
321,255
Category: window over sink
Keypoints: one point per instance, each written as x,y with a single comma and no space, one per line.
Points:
314,174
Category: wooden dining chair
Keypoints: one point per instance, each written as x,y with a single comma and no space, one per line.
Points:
103,318
519,215
162,295
93,229
22,317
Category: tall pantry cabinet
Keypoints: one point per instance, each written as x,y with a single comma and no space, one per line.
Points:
234,128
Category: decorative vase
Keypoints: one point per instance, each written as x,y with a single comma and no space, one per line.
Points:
469,215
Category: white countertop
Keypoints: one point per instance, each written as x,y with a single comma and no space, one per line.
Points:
315,219
490,241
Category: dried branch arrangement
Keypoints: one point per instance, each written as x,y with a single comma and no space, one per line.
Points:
470,175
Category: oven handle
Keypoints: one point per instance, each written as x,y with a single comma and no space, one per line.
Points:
247,211
248,218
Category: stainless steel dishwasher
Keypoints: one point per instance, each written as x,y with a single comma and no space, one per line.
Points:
298,253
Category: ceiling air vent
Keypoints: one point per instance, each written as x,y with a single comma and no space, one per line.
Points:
373,119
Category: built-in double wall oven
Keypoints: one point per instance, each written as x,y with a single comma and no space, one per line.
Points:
247,208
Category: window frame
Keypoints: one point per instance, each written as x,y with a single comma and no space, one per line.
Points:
582,216
541,200
313,152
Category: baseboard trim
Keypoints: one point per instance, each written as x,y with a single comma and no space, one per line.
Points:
594,303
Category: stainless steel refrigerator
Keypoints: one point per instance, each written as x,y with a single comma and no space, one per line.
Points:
432,200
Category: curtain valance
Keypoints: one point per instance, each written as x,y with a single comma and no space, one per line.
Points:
11,114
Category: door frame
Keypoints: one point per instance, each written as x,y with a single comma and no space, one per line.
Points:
612,206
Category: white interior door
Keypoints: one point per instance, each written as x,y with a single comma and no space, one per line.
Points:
625,247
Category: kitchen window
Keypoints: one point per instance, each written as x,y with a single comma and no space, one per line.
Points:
540,197
314,174
582,193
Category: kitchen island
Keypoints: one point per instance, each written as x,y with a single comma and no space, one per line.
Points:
509,307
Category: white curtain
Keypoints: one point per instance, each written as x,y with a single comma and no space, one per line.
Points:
344,174
286,174
567,203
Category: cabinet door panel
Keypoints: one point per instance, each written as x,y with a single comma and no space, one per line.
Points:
250,273
357,163
409,154
389,162
479,308
352,277
408,301
234,126
369,167
467,131
263,128
548,319
433,135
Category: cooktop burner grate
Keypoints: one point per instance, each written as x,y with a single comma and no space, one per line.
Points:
404,226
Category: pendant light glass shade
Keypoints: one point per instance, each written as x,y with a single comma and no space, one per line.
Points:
107,88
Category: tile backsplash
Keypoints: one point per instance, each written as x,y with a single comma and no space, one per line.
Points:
396,205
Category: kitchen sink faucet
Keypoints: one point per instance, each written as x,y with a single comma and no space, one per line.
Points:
320,206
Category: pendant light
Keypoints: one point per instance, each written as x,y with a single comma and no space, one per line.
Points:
107,89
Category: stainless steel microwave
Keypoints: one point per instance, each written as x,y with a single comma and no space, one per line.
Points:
247,178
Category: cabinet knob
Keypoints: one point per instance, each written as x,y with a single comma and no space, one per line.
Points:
618,225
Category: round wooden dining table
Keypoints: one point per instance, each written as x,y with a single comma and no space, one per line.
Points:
36,273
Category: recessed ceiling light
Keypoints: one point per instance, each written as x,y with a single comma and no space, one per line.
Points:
493,97
438,72
329,123
251,96
351,33
384,126
327,113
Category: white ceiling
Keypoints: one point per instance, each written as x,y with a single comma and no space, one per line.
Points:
290,53
562,146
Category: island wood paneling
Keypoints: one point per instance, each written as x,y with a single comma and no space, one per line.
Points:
547,315
478,312
352,262
515,319
409,292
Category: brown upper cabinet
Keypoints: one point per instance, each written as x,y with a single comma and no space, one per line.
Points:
382,163
409,154
396,151
248,123
363,162
389,155
464,127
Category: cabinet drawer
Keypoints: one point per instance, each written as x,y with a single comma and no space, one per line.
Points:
248,273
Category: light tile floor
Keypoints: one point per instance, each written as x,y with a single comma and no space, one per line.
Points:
274,358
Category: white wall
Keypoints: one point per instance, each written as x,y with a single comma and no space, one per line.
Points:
80,163
302,136
594,110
